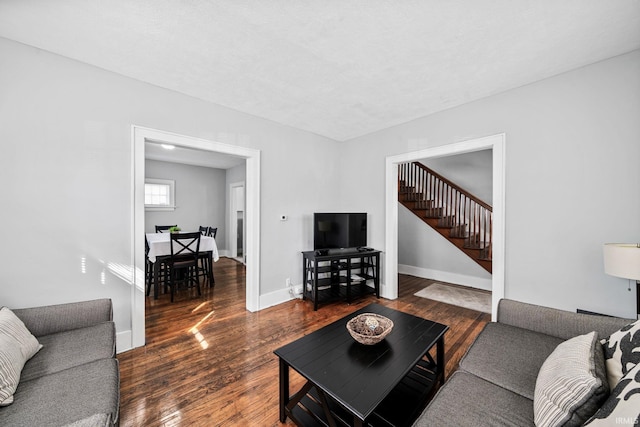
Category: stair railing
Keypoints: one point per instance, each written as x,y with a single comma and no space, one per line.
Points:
467,215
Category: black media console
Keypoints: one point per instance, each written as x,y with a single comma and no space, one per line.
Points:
340,274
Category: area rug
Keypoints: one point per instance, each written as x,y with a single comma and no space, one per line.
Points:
462,297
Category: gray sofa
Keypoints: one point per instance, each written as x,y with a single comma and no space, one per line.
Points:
74,379
494,385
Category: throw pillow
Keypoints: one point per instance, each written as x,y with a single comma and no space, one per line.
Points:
17,345
623,406
11,364
571,384
12,326
622,352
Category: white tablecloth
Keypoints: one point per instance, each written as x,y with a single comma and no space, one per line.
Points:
160,245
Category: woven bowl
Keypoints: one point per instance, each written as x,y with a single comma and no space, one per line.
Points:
369,328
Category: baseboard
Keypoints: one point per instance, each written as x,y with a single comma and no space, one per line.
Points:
274,298
123,341
446,276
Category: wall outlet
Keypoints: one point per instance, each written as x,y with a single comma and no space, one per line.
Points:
288,282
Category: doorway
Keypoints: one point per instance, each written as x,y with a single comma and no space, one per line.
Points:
497,144
140,136
236,221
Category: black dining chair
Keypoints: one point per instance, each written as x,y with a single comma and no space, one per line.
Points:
148,271
163,228
182,265
205,268
148,266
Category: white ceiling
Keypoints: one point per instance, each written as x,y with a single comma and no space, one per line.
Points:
188,156
340,69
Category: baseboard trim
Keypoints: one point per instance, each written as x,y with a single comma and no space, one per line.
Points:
123,341
274,298
446,276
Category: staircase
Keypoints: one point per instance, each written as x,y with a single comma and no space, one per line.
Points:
460,217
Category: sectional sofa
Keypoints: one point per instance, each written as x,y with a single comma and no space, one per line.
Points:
73,378
544,367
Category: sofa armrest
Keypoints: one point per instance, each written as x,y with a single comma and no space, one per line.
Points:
554,322
51,319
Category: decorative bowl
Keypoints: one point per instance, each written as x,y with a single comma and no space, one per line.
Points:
369,328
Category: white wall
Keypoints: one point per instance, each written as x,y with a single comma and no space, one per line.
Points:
473,172
200,198
572,178
423,252
65,131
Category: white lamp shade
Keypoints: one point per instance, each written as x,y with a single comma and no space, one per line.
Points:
622,260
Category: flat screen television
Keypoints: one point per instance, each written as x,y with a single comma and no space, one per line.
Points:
339,230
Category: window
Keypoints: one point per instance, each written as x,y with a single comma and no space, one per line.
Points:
159,194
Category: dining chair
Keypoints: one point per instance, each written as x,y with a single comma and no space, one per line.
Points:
148,267
163,228
205,269
148,271
182,265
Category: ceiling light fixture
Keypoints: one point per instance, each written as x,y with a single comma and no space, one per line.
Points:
168,146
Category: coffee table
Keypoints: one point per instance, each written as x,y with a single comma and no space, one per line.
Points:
351,384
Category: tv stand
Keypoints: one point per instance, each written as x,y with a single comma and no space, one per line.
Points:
340,274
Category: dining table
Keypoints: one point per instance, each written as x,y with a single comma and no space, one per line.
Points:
159,245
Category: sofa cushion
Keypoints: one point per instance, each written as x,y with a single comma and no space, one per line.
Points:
71,348
509,357
623,405
554,322
572,383
466,400
17,345
622,352
66,396
95,420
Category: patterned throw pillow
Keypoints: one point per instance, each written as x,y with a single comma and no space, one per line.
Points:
17,345
623,406
622,352
571,384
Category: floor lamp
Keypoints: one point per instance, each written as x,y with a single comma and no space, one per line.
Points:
623,260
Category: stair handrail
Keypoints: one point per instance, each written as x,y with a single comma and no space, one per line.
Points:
454,185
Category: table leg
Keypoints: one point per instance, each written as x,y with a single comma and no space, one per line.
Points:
210,261
440,361
156,270
284,389
348,280
304,278
376,281
315,285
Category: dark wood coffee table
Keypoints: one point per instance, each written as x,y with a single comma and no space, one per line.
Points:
351,384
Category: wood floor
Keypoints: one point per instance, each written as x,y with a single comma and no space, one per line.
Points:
209,362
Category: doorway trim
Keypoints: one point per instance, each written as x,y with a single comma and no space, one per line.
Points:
140,135
494,142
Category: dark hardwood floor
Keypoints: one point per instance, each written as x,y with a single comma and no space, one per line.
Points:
210,362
